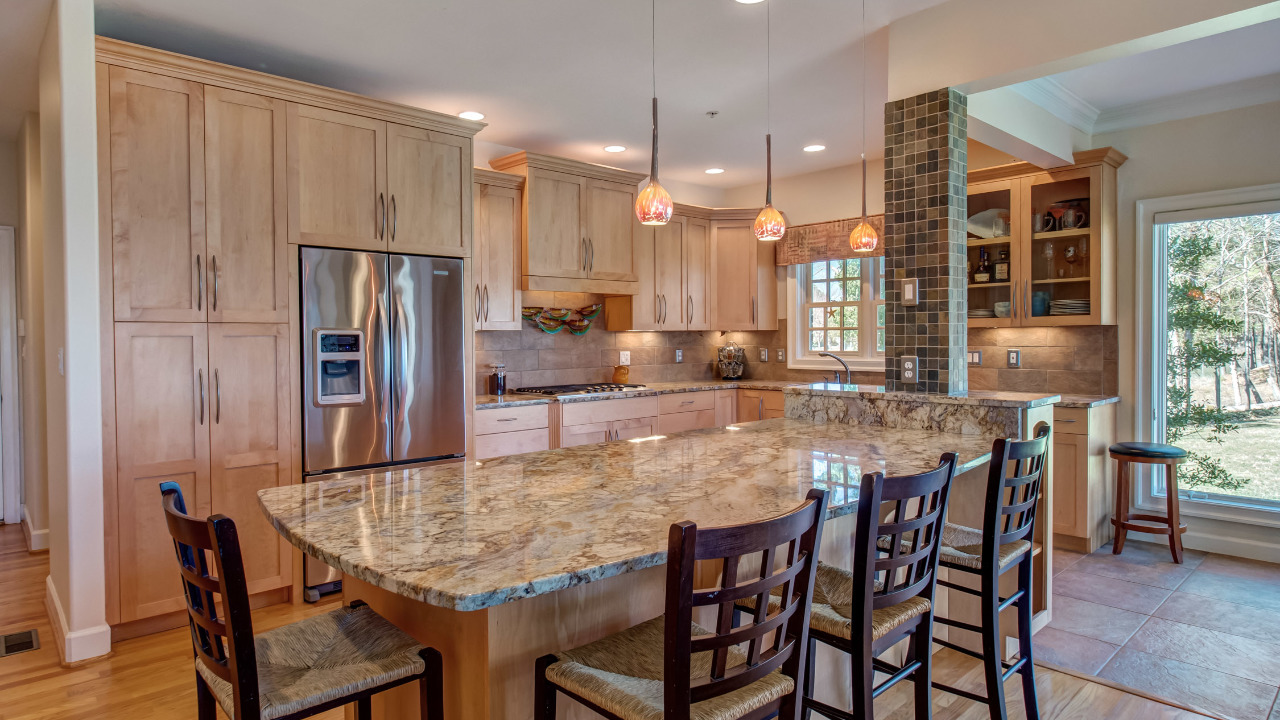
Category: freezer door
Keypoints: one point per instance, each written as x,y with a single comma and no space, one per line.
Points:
346,413
427,365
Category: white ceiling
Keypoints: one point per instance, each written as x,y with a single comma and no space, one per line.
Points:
22,24
568,77
1228,57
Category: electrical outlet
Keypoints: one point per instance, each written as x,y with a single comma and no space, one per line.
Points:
911,292
975,357
679,355
782,355
624,357
1015,358
910,369
764,354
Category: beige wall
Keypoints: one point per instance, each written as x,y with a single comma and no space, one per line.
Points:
31,347
9,173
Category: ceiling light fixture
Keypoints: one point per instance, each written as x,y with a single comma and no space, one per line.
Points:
814,148
715,171
864,237
750,2
471,115
653,205
770,224
614,148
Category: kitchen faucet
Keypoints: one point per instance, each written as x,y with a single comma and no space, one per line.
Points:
848,375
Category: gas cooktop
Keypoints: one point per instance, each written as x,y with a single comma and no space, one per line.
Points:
583,389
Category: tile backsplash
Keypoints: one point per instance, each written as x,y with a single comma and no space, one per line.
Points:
1077,360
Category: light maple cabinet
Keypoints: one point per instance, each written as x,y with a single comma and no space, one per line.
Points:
157,177
760,405
597,421
429,192
495,265
672,263
578,228
744,284
1082,476
512,430
679,412
337,179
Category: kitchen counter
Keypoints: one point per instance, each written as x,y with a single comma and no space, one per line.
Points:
491,402
1086,401
472,536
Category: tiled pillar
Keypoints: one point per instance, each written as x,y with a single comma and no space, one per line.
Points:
926,206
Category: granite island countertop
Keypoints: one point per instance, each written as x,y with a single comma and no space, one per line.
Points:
1086,401
468,536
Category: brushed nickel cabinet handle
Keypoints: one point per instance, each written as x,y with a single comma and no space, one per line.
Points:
507,419
217,398
200,382
1066,421
582,251
657,305
394,216
486,302
1026,294
381,232
199,285
477,302
591,255
689,318
213,270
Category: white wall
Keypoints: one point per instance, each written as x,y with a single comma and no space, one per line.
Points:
1219,151
75,593
31,347
833,194
9,173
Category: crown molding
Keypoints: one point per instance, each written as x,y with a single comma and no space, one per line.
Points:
518,162
1060,102
500,179
1231,96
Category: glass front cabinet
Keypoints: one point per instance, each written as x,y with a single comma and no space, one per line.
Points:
1042,243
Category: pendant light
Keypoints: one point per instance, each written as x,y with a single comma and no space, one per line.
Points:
653,205
864,237
770,223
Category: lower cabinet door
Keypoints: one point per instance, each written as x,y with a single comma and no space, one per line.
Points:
750,405
249,440
512,443
574,435
162,434
679,422
1070,487
635,428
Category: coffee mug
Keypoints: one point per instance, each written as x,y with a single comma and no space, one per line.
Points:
1041,222
1074,218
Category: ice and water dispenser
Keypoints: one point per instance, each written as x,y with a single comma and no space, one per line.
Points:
340,367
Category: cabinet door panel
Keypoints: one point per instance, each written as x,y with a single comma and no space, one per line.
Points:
512,443
1068,486
679,422
750,405
337,174
429,186
668,258
162,433
554,241
610,220
157,196
697,255
733,275
497,217
249,439
246,206
635,428
574,435
726,407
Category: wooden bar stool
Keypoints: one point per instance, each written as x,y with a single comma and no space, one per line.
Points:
1126,453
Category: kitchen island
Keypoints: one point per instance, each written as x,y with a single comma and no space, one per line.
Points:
498,562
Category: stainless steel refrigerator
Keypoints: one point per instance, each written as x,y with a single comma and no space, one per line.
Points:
383,364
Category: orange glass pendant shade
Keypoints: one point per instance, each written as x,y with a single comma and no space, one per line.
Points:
770,224
654,206
864,238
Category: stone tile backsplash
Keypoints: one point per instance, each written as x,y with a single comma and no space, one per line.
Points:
1075,360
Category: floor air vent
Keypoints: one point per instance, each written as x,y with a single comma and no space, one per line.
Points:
15,643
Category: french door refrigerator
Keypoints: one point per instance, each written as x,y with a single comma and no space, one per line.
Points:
382,363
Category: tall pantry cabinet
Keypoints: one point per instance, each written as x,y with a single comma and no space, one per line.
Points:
209,177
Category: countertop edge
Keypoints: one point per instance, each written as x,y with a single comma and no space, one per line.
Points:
1086,401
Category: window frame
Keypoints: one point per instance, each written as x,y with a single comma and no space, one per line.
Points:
799,357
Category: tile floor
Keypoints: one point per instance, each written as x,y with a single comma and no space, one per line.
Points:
1205,633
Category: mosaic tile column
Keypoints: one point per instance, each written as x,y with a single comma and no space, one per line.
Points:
926,203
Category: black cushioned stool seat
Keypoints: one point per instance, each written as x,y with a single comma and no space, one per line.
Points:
1148,450
1142,453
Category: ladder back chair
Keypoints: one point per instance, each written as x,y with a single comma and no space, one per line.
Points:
292,672
670,668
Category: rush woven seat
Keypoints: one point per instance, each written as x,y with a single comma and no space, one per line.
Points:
622,673
322,658
963,546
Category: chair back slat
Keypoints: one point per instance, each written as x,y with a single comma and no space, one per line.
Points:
786,550
224,643
1013,491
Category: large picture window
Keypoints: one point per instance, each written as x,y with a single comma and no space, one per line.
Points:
838,307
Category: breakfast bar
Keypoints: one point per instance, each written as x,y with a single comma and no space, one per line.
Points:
495,563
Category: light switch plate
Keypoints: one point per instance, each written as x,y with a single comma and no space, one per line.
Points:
975,357
910,369
1015,358
764,354
679,355
911,291
782,355
624,357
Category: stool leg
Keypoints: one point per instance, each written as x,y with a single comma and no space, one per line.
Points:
544,694
991,657
1122,506
1171,509
1028,671
206,705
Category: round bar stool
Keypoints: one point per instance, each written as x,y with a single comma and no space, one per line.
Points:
1126,453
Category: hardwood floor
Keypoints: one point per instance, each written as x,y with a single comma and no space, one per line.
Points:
152,678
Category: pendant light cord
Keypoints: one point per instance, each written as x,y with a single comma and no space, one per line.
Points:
768,103
863,109
653,66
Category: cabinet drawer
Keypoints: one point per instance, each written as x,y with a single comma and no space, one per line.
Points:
505,420
686,402
585,413
1071,421
588,434
512,443
679,422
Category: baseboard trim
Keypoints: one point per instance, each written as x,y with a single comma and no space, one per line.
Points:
1236,546
79,646
37,540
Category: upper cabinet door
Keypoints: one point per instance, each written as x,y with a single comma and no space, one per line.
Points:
555,239
249,439
497,266
157,197
734,259
610,221
429,191
668,256
246,207
697,272
337,179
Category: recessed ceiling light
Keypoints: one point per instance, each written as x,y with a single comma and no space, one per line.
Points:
714,171
471,115
750,2
814,148
614,148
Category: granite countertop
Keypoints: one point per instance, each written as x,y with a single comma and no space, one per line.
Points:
467,536
1086,401
489,402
